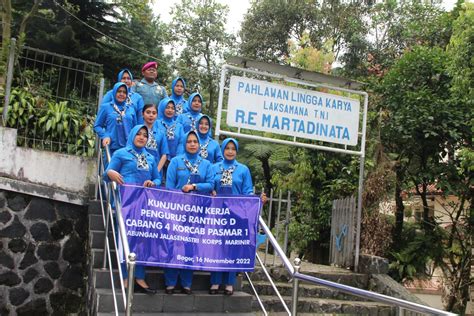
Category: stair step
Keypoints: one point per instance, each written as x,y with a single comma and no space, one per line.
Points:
279,274
97,258
96,238
94,207
323,305
96,222
155,278
305,290
199,301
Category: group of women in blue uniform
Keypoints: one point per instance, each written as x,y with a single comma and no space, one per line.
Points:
169,144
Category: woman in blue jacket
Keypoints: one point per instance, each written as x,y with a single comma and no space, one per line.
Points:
209,148
157,144
134,99
230,178
172,130
190,173
194,106
134,165
115,119
177,95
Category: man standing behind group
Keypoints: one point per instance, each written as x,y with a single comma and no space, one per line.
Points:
151,91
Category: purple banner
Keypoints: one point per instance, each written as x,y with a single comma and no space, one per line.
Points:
172,229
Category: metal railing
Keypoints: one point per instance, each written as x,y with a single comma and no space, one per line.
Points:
296,276
51,100
112,201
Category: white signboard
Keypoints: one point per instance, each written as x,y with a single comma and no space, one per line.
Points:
264,106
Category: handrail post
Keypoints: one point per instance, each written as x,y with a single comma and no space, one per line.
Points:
131,282
294,297
107,223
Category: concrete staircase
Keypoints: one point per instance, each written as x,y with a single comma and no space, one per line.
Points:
314,299
100,297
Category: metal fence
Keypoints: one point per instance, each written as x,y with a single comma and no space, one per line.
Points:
51,100
343,223
277,214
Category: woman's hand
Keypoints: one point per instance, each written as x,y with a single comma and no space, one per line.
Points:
187,188
263,197
105,141
115,176
148,184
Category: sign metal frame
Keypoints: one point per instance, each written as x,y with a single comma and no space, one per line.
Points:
360,151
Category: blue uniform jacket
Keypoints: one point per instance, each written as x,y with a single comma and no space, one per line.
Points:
189,119
109,122
179,100
241,178
210,148
172,130
135,100
125,162
178,174
152,93
160,145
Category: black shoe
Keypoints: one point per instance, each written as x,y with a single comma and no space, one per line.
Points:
169,291
147,290
228,292
186,291
213,291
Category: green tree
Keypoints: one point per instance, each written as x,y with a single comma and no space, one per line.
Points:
197,28
458,180
395,27
417,117
270,26
92,31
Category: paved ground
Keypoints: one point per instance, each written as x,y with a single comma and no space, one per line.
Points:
305,266
433,300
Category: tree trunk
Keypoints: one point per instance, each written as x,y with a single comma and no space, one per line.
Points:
267,174
6,33
24,22
399,211
427,219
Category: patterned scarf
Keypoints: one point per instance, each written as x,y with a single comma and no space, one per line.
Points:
151,143
226,179
203,149
170,130
120,113
193,169
129,100
179,109
193,122
142,163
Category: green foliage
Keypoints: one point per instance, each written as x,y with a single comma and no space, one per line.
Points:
460,63
415,259
315,179
197,32
22,108
129,22
50,125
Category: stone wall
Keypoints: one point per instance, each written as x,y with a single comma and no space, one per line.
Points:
42,256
